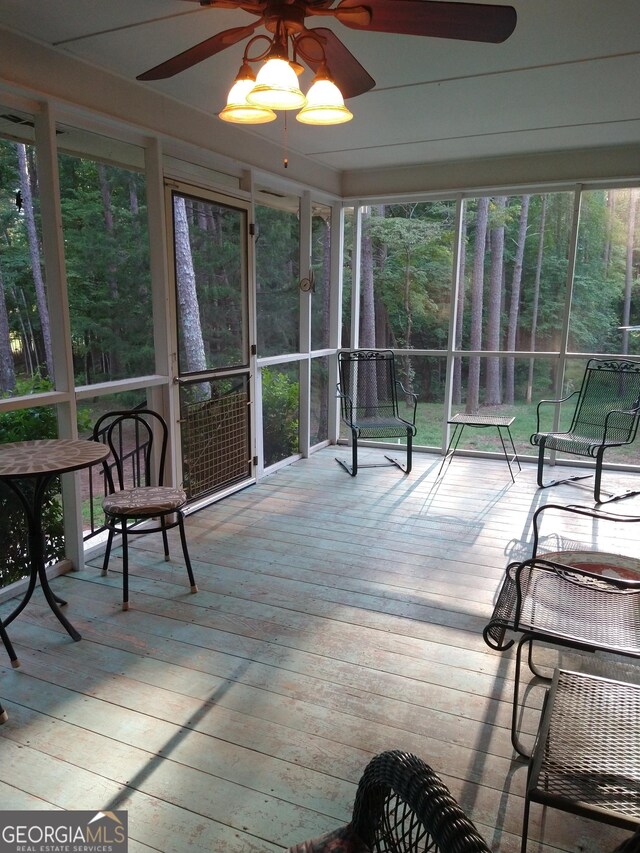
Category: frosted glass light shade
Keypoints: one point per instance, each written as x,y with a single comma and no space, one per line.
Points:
325,105
276,87
239,111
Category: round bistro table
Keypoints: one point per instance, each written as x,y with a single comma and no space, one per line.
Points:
27,469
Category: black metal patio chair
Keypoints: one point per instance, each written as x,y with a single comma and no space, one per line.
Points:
583,599
606,415
369,393
137,495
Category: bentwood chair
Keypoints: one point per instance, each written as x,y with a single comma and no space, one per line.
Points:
135,497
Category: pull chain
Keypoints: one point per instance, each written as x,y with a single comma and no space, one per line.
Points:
285,161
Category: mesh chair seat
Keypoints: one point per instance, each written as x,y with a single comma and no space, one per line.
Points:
144,501
381,427
572,606
570,442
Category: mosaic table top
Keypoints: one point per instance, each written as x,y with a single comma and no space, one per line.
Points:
48,456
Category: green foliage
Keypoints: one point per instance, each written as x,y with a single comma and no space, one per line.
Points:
26,425
413,251
280,415
107,262
277,276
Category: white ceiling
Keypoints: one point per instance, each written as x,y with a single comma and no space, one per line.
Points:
567,78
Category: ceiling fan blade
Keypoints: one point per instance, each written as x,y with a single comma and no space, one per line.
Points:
256,7
197,53
467,21
350,77
359,15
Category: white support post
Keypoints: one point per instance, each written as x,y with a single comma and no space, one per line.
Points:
164,400
58,307
335,314
305,325
458,249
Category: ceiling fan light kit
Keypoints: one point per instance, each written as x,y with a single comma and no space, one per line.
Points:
254,101
325,104
238,109
277,87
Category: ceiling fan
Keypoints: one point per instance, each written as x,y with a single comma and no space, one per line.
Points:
435,18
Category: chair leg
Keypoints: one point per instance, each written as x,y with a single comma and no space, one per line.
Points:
542,484
13,657
3,715
125,567
406,469
516,696
526,638
165,541
525,818
183,539
598,491
107,553
353,470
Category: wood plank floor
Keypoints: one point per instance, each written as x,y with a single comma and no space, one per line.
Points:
336,618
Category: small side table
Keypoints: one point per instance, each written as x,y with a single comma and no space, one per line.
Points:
27,468
460,421
587,754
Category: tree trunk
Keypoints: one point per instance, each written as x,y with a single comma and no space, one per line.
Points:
7,372
189,309
628,275
112,281
34,251
28,343
536,296
611,207
477,288
493,397
134,205
514,307
367,306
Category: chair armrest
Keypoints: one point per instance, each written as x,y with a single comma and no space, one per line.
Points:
554,402
502,618
574,509
410,395
347,404
631,413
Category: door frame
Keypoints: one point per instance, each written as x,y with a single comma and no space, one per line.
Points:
172,186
